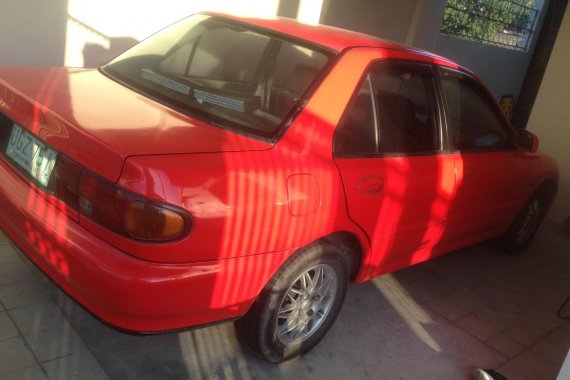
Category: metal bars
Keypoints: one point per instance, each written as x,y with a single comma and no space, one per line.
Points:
503,23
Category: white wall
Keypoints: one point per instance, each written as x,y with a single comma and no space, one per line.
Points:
88,33
550,118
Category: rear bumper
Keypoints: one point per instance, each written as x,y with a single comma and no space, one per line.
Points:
124,291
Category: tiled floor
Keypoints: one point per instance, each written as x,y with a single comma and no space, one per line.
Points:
437,320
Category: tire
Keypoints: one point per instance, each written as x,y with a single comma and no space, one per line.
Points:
523,229
298,305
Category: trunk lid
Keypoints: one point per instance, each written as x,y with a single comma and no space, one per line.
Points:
99,122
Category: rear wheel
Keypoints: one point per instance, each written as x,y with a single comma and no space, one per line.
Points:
298,305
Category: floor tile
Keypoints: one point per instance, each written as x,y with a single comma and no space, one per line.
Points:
14,272
559,338
38,317
23,294
14,355
549,351
513,371
532,364
3,238
54,343
7,328
8,254
476,327
450,308
523,335
31,373
81,366
506,345
497,318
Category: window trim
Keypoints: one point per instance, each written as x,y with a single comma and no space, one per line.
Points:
432,93
443,71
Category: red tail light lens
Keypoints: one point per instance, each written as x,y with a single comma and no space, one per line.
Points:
130,214
67,175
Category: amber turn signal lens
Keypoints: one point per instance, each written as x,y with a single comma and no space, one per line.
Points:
148,221
129,214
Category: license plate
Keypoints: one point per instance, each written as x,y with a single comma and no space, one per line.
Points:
31,155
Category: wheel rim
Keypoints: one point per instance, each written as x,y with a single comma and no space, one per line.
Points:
529,222
306,304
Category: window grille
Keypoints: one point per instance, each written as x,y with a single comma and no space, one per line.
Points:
504,23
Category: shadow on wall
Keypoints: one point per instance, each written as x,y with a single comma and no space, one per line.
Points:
95,55
33,32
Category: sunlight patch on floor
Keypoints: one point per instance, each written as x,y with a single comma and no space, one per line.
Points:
410,311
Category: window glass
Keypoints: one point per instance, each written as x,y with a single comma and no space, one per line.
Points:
473,119
356,133
224,72
405,108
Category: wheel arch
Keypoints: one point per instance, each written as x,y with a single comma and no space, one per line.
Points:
548,188
547,191
351,247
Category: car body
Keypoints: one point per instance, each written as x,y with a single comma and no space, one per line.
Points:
242,198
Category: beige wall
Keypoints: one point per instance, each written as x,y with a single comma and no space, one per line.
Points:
417,23
388,19
550,118
32,32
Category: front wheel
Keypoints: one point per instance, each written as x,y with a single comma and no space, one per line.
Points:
523,229
298,305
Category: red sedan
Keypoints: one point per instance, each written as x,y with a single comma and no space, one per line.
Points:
230,168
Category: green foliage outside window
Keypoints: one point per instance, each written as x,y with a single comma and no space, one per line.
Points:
506,23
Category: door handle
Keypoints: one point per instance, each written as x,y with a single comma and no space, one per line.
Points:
371,185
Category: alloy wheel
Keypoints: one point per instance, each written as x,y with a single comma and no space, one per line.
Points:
306,304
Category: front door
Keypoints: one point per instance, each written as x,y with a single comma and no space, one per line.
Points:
493,177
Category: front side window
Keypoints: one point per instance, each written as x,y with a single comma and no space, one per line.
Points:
223,72
473,120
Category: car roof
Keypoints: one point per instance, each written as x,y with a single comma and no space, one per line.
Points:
329,37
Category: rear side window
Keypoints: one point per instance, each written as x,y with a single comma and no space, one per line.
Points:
393,113
406,111
357,132
474,121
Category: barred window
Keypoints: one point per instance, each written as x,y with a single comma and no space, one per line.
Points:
504,23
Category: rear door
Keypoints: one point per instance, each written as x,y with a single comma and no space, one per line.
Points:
388,147
493,177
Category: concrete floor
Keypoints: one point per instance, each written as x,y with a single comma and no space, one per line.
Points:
438,320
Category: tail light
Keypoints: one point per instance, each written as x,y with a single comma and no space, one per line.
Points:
67,175
116,209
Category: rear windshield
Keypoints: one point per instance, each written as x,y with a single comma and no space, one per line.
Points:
222,72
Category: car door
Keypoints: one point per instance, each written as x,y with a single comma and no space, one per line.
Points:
388,148
493,177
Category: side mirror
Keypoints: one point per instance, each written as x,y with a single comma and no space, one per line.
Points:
527,140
